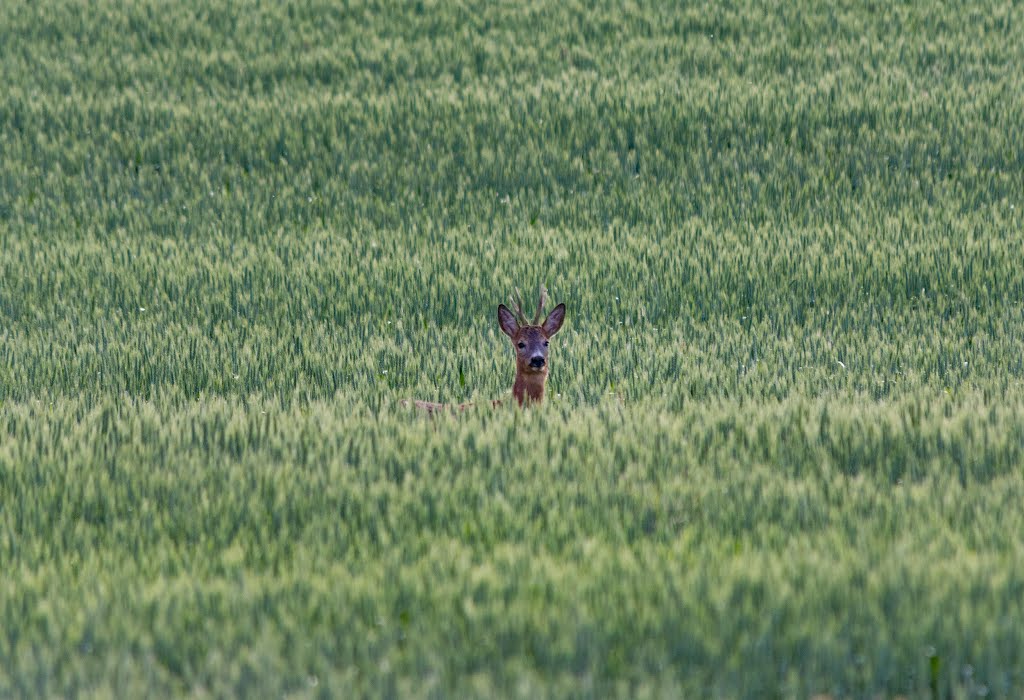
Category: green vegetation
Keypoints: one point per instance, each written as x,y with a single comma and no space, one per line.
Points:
784,448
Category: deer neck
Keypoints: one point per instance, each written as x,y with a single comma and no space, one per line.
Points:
529,386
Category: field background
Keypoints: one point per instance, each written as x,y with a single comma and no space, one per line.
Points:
784,448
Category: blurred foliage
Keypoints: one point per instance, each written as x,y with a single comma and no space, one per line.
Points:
782,449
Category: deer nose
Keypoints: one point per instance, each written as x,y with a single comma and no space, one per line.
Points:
537,361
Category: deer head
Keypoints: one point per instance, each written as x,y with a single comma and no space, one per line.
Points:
530,341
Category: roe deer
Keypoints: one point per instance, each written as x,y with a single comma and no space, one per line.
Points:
530,341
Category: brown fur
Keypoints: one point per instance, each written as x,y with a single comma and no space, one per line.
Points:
530,341
533,337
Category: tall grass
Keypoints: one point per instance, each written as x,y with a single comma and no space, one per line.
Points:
782,449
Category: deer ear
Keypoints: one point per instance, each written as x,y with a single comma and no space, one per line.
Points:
554,320
507,322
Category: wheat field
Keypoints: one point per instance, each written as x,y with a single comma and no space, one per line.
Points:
782,452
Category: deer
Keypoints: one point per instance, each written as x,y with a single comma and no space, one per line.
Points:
530,341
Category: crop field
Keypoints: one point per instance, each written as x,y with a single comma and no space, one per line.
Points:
782,451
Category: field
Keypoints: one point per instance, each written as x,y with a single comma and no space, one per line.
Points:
783,449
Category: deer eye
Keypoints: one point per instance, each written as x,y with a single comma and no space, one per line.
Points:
522,345
545,343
